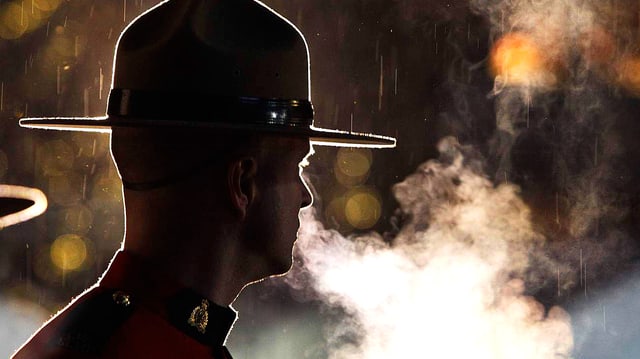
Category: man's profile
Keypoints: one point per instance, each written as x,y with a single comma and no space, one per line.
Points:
210,118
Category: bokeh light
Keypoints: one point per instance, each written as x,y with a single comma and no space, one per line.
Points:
46,5
352,165
18,18
106,189
66,189
68,252
362,207
55,158
516,59
628,74
13,21
334,212
77,219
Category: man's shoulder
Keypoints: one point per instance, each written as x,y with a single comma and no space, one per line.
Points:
108,323
83,329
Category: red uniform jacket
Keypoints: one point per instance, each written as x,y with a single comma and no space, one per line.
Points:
133,314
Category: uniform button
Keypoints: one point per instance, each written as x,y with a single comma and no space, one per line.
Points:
122,298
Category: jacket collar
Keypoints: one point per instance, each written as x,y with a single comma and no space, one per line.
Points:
188,311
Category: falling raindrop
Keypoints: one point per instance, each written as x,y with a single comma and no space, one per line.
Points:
595,153
381,83
585,279
1,96
557,209
528,103
58,80
85,98
101,84
22,13
124,10
351,123
28,265
558,282
395,81
84,187
615,18
581,269
48,26
435,36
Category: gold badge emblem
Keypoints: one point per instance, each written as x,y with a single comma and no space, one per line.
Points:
200,317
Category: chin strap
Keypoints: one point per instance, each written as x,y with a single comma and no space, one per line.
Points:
169,180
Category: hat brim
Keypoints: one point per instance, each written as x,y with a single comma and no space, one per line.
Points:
19,204
318,136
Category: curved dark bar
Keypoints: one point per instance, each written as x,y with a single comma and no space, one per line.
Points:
201,107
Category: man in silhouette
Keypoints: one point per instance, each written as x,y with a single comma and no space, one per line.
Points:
210,120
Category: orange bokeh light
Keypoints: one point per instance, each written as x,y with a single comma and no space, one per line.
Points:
516,59
628,74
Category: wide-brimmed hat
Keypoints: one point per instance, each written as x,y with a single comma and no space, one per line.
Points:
19,204
232,64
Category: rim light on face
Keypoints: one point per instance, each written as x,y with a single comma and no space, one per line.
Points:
19,192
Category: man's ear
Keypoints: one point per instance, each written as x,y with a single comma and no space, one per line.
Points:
241,184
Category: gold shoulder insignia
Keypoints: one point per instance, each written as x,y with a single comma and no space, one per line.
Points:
200,317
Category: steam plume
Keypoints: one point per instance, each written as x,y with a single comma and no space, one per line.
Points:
451,283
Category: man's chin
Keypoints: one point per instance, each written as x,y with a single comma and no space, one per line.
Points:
281,268
276,269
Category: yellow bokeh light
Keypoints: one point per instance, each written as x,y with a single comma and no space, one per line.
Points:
55,158
68,252
362,208
14,21
516,59
334,212
352,165
46,5
107,189
76,219
20,17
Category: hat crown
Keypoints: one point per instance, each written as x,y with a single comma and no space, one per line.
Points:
216,47
212,63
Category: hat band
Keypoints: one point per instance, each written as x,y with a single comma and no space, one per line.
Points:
200,107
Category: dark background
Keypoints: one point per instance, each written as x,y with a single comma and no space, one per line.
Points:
416,70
